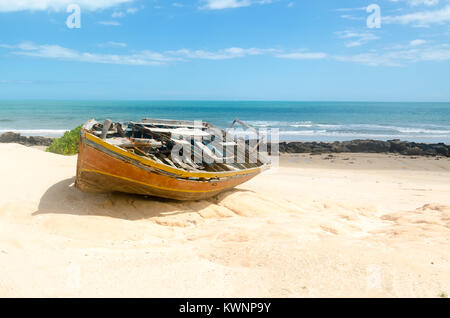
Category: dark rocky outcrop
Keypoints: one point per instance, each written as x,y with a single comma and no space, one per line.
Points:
362,146
367,146
11,137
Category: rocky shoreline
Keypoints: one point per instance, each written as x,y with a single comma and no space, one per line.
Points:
355,146
367,146
12,137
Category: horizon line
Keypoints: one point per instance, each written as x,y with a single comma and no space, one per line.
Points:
223,100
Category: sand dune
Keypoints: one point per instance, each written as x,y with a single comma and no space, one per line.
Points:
350,226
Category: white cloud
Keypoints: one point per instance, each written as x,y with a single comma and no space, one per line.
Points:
225,4
351,9
121,14
15,82
424,2
303,55
27,46
351,17
61,53
417,42
224,54
140,58
117,14
56,5
132,10
399,57
370,59
113,44
355,38
231,4
422,18
414,3
109,23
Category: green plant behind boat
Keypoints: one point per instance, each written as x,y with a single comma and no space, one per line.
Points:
67,144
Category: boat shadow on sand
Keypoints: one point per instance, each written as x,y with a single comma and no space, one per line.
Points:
64,198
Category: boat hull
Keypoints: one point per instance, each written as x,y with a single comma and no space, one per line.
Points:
101,169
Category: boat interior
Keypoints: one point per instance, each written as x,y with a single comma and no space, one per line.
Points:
199,146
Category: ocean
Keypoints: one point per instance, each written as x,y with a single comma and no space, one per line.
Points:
296,121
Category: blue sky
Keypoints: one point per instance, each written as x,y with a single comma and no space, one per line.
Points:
226,49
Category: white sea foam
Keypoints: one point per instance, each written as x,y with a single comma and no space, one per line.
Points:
308,127
290,130
423,131
357,135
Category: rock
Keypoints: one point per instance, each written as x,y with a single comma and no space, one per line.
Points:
372,146
397,146
367,146
11,137
40,141
413,151
339,147
442,150
316,148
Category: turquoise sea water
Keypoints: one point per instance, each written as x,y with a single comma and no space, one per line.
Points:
319,121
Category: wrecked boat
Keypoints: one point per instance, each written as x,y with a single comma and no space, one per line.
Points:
182,160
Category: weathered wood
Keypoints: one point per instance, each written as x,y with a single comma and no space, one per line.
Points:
130,143
180,131
109,132
135,158
167,122
191,163
120,130
106,125
98,172
182,164
155,158
169,161
140,152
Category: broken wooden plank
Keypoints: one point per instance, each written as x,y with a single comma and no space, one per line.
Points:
106,125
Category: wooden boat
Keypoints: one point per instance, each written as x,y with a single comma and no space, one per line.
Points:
136,158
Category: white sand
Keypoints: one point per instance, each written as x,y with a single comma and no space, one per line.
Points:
373,225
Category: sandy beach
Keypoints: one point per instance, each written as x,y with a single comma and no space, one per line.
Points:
347,225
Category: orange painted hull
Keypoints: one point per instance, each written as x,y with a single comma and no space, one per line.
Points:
103,170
